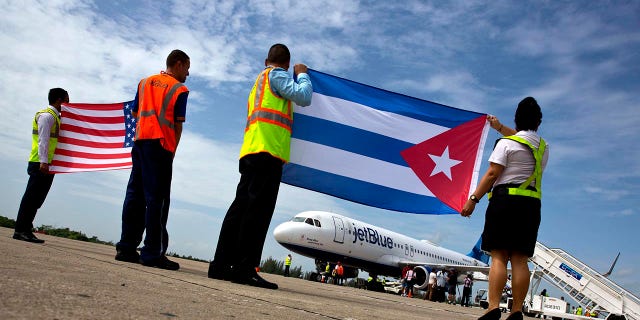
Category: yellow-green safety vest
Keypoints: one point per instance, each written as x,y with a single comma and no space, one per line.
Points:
537,172
269,121
53,136
287,261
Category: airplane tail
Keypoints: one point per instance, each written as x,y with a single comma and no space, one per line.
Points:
612,266
477,253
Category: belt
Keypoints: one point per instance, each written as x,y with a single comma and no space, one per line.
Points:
503,189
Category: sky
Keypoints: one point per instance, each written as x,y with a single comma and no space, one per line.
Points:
580,60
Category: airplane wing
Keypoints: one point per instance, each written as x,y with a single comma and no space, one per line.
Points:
477,270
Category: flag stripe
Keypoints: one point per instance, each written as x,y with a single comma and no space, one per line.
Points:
89,143
94,132
363,192
100,149
88,155
93,107
384,100
349,138
92,125
93,161
355,166
370,119
70,165
95,119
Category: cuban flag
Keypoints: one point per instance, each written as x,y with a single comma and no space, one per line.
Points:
385,149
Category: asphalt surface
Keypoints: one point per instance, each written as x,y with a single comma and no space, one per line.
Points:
69,279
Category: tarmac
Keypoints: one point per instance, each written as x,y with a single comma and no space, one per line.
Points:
70,279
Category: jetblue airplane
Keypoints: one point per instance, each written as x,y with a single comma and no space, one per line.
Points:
329,237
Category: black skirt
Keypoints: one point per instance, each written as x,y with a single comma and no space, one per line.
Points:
511,224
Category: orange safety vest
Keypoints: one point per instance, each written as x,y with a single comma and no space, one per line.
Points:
157,97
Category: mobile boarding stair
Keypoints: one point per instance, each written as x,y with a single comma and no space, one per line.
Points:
583,284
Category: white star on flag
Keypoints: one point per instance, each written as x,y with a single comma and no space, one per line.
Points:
443,163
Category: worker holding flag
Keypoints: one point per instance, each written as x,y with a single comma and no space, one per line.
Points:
264,151
513,185
46,127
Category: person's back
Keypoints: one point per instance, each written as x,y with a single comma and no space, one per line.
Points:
44,140
160,110
264,151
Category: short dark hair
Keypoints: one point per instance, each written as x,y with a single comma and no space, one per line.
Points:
56,94
279,53
528,115
175,56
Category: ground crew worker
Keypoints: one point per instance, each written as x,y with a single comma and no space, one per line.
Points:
339,270
579,310
159,107
325,276
287,265
264,151
513,185
46,126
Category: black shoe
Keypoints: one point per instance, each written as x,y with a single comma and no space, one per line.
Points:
162,263
127,256
27,236
254,280
515,316
492,315
219,272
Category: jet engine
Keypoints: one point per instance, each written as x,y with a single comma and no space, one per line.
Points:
421,274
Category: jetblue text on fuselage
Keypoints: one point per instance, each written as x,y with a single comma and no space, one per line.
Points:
372,236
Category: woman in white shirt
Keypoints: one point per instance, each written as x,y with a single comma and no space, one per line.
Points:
513,214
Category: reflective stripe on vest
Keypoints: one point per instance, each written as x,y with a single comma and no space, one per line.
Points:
269,121
158,94
53,136
537,172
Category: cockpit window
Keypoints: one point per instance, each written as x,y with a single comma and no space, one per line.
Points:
317,222
298,219
309,221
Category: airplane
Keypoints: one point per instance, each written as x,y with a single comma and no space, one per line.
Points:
330,237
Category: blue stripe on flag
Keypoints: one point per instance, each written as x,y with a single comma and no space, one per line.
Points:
389,101
349,139
363,192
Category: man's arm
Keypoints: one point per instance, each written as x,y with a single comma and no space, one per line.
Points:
299,92
178,129
180,111
45,122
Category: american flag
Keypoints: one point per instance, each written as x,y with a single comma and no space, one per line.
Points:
94,137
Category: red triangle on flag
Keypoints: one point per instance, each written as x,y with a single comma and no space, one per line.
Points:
445,162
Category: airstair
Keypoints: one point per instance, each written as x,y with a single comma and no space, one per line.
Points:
583,284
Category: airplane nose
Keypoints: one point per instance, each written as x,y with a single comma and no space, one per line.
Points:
279,233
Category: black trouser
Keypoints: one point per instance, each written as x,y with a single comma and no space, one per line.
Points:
245,226
37,189
466,296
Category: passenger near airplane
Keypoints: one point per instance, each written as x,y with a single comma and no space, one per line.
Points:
329,237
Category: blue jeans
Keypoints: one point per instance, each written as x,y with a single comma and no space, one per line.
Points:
146,203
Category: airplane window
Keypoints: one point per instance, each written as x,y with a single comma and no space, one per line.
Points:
297,219
309,221
316,222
